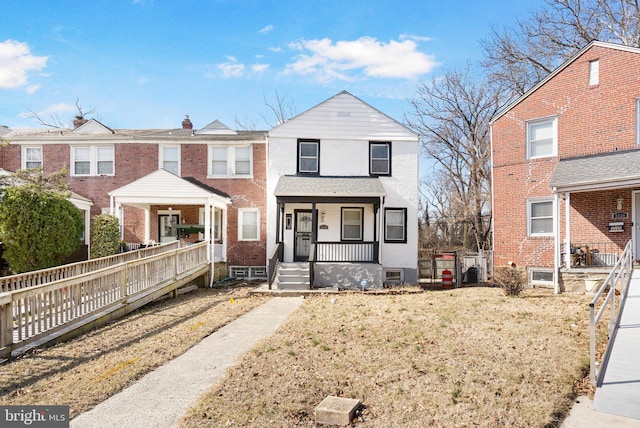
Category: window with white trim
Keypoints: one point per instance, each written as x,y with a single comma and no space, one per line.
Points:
540,217
248,224
395,225
169,159
594,72
542,138
541,276
230,161
393,276
352,224
31,157
308,156
379,158
92,160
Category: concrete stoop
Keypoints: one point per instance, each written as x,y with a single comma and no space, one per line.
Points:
293,276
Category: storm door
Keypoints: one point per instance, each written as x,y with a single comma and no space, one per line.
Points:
167,231
302,235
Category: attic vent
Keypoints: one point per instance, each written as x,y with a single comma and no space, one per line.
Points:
344,114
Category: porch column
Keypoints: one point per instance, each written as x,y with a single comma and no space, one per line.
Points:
120,215
556,239
207,229
223,232
147,225
314,223
567,228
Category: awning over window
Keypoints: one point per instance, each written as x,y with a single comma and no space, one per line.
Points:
598,172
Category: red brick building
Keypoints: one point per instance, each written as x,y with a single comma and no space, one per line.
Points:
161,181
566,168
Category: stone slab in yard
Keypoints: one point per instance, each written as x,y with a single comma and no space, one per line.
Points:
336,410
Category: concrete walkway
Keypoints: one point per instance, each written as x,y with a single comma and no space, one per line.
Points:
163,396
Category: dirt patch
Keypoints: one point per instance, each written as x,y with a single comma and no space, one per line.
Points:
87,370
463,357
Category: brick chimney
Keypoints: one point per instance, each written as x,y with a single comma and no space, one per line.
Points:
78,121
186,123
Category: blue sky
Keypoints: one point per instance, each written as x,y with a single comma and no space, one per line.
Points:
147,63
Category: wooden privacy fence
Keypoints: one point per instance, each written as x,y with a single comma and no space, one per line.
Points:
30,314
45,276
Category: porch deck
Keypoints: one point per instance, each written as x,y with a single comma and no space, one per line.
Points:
619,391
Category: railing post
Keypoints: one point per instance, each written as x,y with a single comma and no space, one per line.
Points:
6,325
123,289
592,350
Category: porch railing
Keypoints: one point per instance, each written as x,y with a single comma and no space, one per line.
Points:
593,254
619,275
45,276
274,261
346,252
28,314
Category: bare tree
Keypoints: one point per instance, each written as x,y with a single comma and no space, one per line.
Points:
53,120
280,110
452,114
521,57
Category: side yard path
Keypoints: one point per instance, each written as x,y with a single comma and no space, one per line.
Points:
88,370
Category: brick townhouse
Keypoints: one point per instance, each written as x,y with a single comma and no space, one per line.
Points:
163,184
566,181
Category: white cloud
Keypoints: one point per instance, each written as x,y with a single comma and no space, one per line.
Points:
267,29
414,37
366,56
275,49
259,68
32,89
16,61
231,68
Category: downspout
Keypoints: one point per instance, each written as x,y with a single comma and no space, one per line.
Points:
556,244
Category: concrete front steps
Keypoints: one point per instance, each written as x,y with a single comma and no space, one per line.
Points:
293,276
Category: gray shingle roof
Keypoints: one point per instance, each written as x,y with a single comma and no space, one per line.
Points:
329,186
597,171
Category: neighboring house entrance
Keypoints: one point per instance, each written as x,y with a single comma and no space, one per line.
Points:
167,231
303,235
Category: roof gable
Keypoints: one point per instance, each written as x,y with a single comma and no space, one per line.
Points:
93,127
344,116
560,69
216,128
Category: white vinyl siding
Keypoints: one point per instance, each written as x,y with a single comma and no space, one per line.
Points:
230,161
542,138
31,157
540,218
248,224
92,160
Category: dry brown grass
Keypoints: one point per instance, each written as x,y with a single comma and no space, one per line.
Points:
464,357
85,371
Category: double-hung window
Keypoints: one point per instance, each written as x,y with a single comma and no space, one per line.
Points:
92,160
248,224
395,225
352,224
230,161
379,158
540,217
31,157
308,156
170,159
542,138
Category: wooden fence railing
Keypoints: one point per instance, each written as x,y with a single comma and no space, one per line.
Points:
45,276
31,313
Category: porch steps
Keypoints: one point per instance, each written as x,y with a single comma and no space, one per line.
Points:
293,276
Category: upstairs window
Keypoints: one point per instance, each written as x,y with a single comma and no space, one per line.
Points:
92,160
170,159
352,224
540,217
379,158
308,156
230,161
31,157
542,136
594,72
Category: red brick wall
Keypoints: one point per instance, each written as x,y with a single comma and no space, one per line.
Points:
135,160
591,120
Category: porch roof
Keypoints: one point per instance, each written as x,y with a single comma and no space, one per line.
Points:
329,186
597,172
163,187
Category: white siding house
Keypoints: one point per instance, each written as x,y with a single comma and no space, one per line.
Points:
342,196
